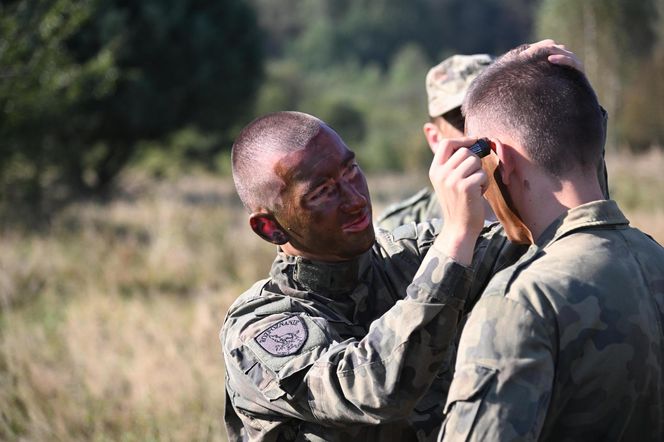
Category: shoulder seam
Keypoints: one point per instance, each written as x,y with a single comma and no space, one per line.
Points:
404,204
261,283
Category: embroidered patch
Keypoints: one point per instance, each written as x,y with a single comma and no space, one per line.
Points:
284,338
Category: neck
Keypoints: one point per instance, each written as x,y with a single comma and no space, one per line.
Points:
291,250
544,200
329,278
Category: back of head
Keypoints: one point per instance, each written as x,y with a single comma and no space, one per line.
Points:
550,109
257,145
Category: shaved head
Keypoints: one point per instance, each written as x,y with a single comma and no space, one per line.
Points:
265,138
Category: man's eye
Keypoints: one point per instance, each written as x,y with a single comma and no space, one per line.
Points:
351,170
321,192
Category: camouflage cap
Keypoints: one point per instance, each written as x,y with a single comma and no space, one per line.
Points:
448,81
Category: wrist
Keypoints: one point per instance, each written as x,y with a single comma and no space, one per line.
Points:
457,243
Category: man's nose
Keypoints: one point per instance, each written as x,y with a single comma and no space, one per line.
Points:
354,200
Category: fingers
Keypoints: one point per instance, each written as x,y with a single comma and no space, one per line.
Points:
461,165
541,44
558,54
453,162
459,180
448,146
567,60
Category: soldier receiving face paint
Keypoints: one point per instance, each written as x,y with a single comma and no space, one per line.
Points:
567,344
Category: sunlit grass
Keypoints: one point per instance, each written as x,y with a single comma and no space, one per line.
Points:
637,184
110,316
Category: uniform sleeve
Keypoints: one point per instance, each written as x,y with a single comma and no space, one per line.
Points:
382,376
349,381
504,375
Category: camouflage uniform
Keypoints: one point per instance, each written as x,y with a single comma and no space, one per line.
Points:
418,208
567,344
358,350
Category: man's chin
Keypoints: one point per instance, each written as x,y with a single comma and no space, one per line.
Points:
361,242
367,239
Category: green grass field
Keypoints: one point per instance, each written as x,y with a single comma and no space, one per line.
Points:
109,317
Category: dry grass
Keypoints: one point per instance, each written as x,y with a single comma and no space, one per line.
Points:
637,183
109,321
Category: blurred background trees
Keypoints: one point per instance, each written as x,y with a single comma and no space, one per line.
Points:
90,86
110,310
621,45
83,83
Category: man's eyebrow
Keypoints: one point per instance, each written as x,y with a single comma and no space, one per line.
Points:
319,182
348,157
313,186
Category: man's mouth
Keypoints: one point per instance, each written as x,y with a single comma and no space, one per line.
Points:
359,224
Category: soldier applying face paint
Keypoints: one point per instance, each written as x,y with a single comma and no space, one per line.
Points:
352,334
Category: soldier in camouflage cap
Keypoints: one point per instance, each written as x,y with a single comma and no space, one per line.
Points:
568,343
350,336
447,83
446,86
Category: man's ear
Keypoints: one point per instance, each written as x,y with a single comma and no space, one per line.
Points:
433,135
268,228
506,157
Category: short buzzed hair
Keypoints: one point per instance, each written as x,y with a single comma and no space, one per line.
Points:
550,109
276,133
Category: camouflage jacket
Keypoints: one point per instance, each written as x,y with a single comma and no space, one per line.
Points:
351,351
420,207
567,344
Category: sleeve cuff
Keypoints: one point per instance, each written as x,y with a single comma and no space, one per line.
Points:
441,279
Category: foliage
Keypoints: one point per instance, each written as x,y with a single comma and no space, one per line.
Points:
379,114
360,65
642,117
322,33
84,81
619,43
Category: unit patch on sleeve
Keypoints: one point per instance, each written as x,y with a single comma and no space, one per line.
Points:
284,338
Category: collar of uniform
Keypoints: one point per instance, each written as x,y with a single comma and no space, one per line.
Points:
595,213
325,278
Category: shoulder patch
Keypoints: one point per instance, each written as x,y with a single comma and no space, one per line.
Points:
284,338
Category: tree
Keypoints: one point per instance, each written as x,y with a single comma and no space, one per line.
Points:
326,32
85,80
615,39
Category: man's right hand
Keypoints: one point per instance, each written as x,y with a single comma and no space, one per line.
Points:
558,53
458,179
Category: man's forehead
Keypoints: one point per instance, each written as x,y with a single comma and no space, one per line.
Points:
289,166
322,155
